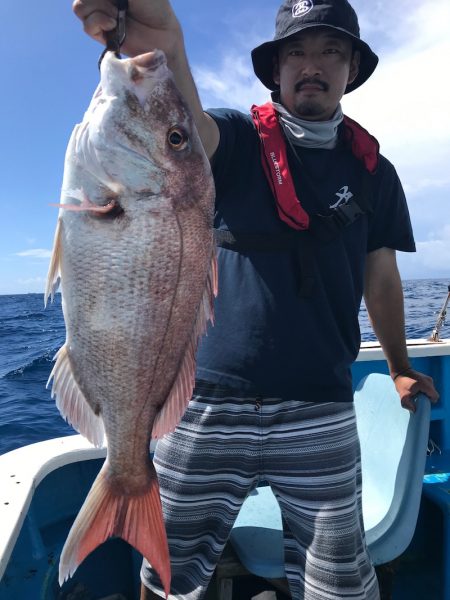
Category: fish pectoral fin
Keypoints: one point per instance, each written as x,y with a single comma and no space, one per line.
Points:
175,406
71,401
137,519
53,276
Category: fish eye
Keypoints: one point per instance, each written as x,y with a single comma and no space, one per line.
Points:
177,138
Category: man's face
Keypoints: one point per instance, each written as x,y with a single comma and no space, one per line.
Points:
313,69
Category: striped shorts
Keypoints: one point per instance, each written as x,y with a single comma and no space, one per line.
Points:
309,454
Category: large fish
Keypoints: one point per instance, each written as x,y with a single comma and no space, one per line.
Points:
134,252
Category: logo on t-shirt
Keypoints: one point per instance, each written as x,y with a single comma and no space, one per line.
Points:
301,8
344,195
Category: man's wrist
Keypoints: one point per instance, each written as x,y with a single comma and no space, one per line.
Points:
405,371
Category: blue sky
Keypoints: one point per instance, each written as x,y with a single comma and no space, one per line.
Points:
50,71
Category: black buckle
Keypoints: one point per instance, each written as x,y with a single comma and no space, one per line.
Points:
347,213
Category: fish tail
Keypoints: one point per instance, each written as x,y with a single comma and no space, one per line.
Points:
137,519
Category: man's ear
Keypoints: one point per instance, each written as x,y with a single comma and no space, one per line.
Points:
354,66
276,69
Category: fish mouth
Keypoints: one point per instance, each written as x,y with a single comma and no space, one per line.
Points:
138,75
146,66
141,65
149,61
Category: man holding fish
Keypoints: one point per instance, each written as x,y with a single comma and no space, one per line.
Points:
309,217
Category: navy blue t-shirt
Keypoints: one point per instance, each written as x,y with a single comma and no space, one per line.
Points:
267,339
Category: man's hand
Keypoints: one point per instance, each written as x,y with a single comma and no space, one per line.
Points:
149,25
411,383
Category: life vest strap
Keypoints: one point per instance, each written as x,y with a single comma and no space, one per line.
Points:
298,243
322,230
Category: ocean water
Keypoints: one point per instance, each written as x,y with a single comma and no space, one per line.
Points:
30,337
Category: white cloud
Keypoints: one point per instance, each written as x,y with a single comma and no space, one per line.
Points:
35,253
406,106
32,282
23,285
426,184
233,84
405,102
432,258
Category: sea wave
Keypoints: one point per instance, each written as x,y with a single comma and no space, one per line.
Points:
37,364
29,316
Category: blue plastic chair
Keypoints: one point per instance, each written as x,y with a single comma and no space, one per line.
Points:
393,454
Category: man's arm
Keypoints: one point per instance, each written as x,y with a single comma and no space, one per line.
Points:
152,24
383,295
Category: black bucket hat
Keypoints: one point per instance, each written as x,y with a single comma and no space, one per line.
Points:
297,15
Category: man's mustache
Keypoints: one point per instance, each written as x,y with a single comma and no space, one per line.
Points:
311,81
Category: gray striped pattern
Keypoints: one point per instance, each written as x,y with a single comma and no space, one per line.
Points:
308,453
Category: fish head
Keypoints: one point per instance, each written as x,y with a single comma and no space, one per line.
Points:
138,137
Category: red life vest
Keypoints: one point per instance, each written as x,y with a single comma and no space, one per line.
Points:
275,160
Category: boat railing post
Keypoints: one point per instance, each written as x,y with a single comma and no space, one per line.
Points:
440,320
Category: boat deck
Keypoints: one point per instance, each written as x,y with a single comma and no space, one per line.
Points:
414,576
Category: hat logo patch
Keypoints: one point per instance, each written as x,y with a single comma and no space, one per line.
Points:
301,8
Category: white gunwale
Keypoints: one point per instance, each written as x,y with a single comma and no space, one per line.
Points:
22,470
417,348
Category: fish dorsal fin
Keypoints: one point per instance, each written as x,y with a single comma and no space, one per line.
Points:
53,276
174,407
71,402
